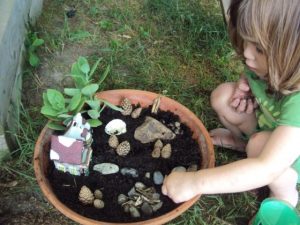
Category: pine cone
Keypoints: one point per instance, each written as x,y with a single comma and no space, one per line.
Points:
126,106
158,144
123,148
86,196
156,153
166,151
113,141
136,113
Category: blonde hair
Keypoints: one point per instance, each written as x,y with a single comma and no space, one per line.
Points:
275,26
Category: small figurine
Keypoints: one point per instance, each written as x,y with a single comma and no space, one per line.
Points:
71,152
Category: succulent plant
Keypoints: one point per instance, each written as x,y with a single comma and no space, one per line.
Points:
123,148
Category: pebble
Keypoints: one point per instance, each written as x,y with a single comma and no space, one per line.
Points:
115,127
148,175
122,198
147,209
106,168
98,194
99,204
134,212
192,168
129,172
157,206
179,169
158,178
139,185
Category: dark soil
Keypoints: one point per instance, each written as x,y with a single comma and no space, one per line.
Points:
185,152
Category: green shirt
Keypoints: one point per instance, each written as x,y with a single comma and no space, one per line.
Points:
273,112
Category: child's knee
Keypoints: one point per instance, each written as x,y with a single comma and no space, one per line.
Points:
220,97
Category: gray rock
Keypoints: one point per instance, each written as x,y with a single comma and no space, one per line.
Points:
179,169
106,168
158,178
148,175
152,130
129,172
147,209
139,185
134,212
157,206
122,198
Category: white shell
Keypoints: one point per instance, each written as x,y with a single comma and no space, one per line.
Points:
116,127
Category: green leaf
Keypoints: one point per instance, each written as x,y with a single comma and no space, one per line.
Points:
75,101
104,75
55,126
80,81
94,122
65,116
56,99
94,67
110,105
33,59
94,104
45,100
38,42
75,70
71,91
94,114
67,121
85,68
90,89
80,106
49,111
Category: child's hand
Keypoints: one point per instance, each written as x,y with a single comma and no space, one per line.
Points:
242,98
180,186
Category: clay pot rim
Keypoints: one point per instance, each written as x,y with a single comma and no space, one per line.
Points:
134,95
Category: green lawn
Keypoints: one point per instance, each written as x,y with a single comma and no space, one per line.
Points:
179,48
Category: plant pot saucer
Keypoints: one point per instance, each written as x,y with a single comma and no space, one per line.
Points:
145,99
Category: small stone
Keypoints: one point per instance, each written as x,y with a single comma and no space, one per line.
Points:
129,172
148,175
158,178
155,196
98,194
126,208
158,144
177,124
166,151
134,212
192,168
132,192
179,169
113,141
98,203
123,148
115,127
126,106
136,113
122,199
106,168
86,196
139,185
147,209
156,153
157,206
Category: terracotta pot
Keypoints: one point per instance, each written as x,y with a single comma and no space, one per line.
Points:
41,152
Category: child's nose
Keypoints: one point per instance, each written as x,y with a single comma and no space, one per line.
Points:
248,52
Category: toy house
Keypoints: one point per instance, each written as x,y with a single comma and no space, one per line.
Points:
71,152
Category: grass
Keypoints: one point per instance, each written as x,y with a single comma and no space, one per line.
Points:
176,47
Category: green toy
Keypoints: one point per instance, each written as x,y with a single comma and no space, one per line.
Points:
276,212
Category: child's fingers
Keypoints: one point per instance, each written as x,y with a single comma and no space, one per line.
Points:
242,106
243,86
250,106
235,103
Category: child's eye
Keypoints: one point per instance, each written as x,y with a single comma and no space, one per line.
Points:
259,50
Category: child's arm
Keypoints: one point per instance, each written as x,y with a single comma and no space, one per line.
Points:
279,153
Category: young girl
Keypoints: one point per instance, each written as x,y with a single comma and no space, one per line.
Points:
263,106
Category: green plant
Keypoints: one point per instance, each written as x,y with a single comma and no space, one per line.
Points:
32,43
60,109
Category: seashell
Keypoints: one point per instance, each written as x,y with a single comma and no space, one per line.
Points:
156,153
166,151
136,113
99,204
134,212
126,106
98,194
122,199
115,127
158,144
113,141
86,196
123,148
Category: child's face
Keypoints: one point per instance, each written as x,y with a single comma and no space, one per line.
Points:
255,59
